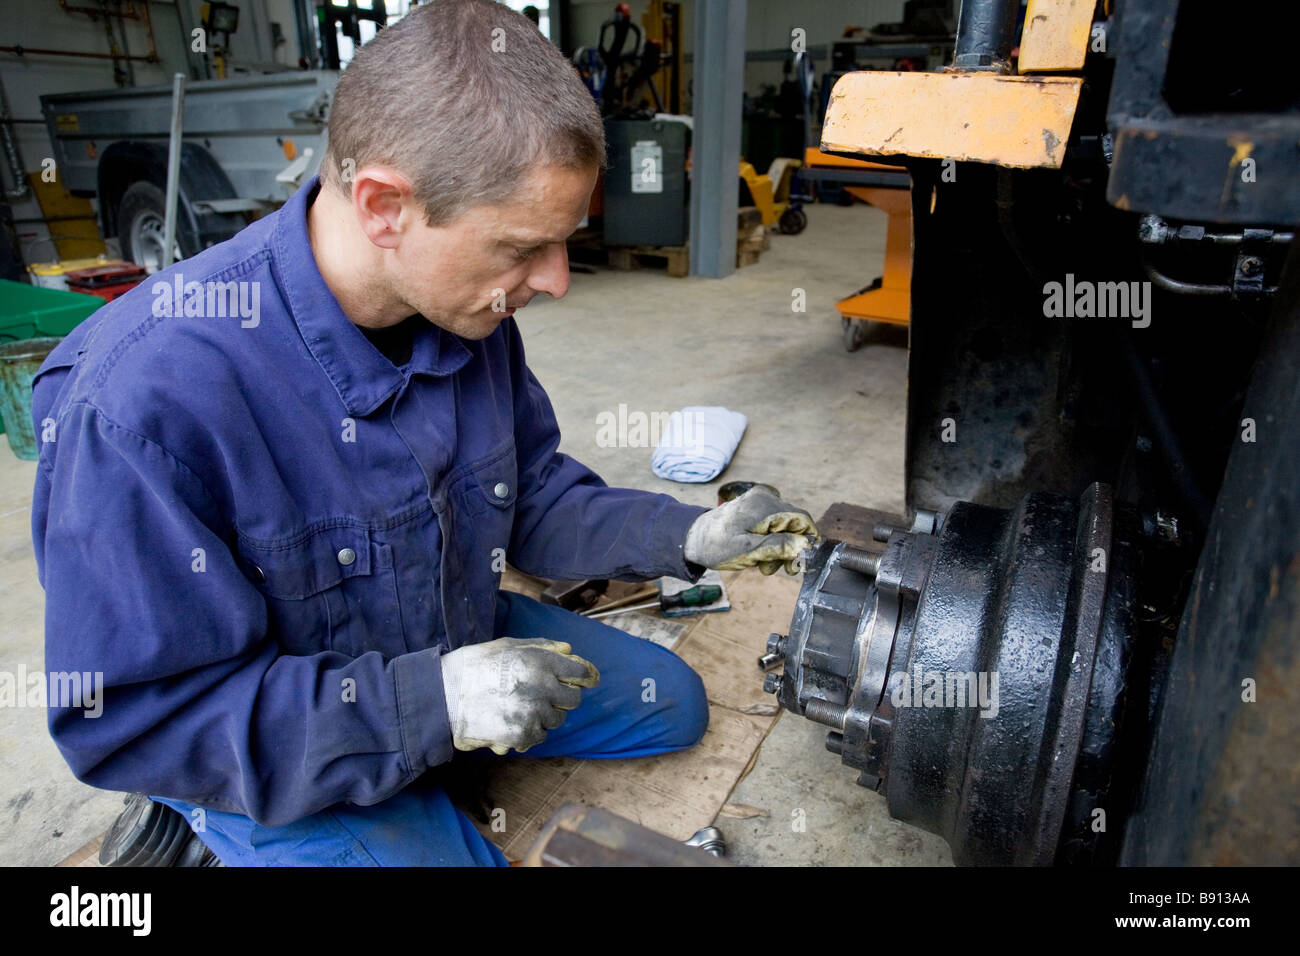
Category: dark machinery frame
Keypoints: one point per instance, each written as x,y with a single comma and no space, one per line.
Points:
1107,513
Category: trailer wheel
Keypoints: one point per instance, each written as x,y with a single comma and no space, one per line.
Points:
792,221
141,221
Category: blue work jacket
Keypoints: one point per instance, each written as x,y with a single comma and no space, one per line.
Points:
264,534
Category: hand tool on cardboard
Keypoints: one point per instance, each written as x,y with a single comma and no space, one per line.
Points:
697,596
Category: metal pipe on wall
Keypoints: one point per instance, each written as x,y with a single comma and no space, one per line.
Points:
150,57
131,13
304,18
13,156
96,11
173,168
41,51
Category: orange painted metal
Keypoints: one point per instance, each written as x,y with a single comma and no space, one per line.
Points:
1056,35
1017,121
892,301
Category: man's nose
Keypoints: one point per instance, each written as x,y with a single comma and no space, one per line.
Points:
552,272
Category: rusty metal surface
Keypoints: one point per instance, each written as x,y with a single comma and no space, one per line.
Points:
1018,121
854,524
1056,35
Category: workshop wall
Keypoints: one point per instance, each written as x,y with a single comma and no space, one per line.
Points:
45,24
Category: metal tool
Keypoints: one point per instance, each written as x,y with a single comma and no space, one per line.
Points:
734,489
592,836
574,595
620,602
775,652
708,839
698,596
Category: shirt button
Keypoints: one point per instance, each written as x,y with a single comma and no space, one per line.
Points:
347,556
502,490
259,574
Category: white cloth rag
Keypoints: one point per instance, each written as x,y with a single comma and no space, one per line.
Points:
698,443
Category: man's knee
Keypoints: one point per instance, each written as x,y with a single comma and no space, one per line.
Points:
688,709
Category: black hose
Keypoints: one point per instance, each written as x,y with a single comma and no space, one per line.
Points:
1166,440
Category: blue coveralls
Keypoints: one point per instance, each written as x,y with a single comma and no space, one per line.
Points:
265,534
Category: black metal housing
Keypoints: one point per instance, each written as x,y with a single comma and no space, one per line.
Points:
978,676
1197,92
1014,415
986,32
1221,785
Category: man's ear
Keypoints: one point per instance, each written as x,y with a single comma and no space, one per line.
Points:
379,196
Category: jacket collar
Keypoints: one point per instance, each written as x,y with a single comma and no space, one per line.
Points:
363,378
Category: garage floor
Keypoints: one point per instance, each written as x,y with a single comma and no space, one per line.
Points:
824,426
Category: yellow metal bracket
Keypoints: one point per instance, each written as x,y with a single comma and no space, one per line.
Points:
1018,121
1056,35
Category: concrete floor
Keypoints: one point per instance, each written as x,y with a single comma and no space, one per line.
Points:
824,426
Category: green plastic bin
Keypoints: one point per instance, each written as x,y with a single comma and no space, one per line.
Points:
28,311
19,362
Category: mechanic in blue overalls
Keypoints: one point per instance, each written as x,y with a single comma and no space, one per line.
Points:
280,480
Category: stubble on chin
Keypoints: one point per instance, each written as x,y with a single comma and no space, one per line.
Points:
473,327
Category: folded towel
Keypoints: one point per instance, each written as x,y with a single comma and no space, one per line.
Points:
698,443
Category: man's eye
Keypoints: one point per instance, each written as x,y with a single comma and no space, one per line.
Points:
529,252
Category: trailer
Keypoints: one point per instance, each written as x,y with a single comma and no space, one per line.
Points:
247,144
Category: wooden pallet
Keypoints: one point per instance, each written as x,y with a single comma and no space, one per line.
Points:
751,236
750,247
626,258
752,239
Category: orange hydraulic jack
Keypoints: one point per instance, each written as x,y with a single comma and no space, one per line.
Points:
888,298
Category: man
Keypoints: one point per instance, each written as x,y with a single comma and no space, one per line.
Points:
278,530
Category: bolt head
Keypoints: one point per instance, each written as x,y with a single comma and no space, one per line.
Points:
1167,527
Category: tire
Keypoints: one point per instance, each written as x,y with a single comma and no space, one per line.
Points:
141,218
855,332
793,222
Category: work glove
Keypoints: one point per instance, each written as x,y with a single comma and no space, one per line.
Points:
509,692
758,528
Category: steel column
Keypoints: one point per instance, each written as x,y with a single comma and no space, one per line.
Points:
719,82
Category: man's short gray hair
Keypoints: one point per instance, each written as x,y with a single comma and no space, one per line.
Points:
464,98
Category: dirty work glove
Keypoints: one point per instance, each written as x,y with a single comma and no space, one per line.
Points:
758,528
509,692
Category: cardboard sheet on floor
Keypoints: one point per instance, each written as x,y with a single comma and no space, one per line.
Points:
678,793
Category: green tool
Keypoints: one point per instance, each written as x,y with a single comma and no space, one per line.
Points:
698,596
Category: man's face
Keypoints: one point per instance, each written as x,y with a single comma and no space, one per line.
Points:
468,275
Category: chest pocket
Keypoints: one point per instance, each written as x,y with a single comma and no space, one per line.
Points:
486,497
330,588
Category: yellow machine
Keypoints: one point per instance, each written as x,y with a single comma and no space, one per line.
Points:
888,298
771,194
1015,121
